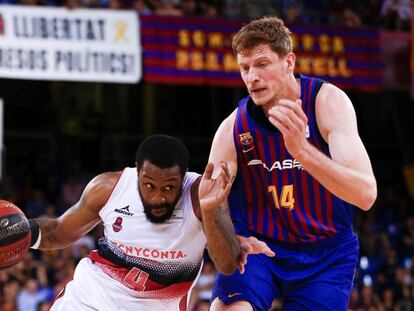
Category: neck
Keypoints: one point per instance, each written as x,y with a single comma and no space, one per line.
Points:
291,91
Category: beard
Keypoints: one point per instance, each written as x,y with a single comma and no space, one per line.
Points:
158,219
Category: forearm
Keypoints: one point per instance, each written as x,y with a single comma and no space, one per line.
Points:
222,244
348,184
51,237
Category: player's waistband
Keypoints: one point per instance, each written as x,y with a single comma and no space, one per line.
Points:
345,235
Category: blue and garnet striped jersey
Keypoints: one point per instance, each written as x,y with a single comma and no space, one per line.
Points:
273,195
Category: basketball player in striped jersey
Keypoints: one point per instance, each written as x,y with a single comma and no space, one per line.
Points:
301,169
156,227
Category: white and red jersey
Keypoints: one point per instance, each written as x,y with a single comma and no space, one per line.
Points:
141,265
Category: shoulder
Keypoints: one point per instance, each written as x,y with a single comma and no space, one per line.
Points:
100,187
330,95
333,109
105,180
226,127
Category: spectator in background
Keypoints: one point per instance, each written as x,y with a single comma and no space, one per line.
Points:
37,205
212,8
295,13
406,303
350,18
408,237
9,293
189,8
204,287
82,247
396,14
368,300
168,8
31,296
73,4
251,8
71,190
142,7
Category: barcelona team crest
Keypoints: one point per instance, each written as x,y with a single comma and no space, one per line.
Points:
246,140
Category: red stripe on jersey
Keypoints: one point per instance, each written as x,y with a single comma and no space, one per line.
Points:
262,192
291,219
247,181
306,203
307,95
143,286
318,206
183,303
272,150
329,207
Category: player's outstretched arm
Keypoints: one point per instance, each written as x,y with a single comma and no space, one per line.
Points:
80,218
222,244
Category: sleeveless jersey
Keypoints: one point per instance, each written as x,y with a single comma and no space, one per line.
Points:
272,194
157,263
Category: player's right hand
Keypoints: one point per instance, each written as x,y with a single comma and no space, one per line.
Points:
213,191
252,246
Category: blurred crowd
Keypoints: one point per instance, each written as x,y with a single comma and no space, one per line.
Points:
384,278
388,14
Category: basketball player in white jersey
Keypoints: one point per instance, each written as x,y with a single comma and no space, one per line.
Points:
158,219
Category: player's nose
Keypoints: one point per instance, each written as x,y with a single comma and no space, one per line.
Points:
157,199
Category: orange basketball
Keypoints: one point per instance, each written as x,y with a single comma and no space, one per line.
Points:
15,235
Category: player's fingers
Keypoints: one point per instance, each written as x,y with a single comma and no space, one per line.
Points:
242,262
208,172
247,248
295,107
261,247
224,178
226,169
241,268
279,125
267,251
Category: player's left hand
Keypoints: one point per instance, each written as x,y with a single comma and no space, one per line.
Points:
252,246
213,192
289,118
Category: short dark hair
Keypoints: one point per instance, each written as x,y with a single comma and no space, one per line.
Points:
163,151
268,30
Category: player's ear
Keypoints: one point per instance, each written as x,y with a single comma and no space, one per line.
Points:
290,60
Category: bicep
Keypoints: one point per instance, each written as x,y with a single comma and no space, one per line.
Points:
348,150
337,123
78,220
223,148
84,215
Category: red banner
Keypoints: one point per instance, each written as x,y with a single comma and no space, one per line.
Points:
198,51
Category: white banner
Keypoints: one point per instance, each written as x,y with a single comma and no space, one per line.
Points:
39,43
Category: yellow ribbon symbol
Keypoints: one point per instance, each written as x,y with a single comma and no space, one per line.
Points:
120,31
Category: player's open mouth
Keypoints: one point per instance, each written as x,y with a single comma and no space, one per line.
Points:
256,91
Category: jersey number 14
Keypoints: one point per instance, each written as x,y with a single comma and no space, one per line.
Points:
285,199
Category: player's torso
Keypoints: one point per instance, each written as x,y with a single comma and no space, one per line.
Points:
273,195
163,260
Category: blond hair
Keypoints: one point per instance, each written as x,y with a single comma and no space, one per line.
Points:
266,30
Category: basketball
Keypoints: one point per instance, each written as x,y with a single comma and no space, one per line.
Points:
15,235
